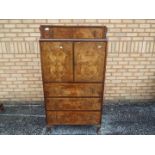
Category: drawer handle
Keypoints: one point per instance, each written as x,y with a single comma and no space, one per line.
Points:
61,47
47,29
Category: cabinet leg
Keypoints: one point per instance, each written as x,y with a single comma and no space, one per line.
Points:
98,127
48,128
1,107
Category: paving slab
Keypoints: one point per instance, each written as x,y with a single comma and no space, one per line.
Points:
124,119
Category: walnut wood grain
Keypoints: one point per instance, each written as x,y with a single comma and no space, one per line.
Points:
89,61
62,32
73,40
72,89
72,32
73,117
57,61
88,33
73,73
73,103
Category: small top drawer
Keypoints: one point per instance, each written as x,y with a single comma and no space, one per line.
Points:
72,32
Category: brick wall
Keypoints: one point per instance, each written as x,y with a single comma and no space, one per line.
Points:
130,64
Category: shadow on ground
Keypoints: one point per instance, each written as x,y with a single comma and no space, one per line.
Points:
127,119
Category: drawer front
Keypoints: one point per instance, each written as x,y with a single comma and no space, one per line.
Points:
90,33
74,89
73,103
73,117
78,33
57,63
73,32
62,33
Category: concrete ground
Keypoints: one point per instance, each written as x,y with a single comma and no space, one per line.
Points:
127,119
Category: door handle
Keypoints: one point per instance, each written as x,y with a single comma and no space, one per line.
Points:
99,46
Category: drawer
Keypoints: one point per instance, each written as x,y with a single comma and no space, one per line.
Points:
72,32
73,103
62,33
72,89
73,117
78,33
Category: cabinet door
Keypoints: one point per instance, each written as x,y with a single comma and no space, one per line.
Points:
57,61
89,60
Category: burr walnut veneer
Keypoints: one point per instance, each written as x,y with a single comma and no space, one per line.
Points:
73,62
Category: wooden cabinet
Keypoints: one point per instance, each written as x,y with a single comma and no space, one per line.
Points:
73,71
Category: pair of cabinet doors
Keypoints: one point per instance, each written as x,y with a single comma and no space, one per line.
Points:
73,61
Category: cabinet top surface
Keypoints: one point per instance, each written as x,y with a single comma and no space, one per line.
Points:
74,26
73,40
